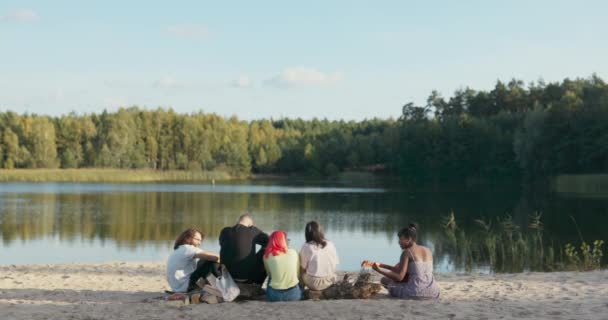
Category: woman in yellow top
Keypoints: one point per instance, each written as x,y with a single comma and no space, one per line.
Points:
282,265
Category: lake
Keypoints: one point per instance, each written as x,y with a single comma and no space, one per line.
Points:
85,222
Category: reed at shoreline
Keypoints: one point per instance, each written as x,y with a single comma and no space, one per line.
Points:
508,247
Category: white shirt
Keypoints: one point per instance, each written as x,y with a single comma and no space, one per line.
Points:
180,265
319,262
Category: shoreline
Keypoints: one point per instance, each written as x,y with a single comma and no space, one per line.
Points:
110,175
133,290
116,175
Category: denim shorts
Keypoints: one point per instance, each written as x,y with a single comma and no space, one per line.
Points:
292,294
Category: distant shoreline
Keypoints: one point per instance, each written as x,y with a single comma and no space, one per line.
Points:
111,175
148,175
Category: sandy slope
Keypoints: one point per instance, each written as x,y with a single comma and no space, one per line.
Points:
131,291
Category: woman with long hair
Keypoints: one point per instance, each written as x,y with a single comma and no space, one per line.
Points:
412,277
282,266
318,258
188,263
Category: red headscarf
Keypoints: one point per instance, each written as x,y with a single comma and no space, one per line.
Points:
277,244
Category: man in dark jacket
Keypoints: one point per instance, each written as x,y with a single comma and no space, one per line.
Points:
237,250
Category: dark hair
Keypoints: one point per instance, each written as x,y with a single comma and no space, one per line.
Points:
314,233
410,232
186,237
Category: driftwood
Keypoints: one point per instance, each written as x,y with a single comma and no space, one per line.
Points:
363,288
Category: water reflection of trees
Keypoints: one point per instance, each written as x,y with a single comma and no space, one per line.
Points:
133,218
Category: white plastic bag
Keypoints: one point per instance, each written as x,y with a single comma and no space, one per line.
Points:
227,286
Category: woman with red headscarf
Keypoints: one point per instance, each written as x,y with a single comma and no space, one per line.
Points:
282,266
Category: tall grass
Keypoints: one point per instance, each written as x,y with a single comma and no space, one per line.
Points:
108,175
507,247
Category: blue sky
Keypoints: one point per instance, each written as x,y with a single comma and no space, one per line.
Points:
325,59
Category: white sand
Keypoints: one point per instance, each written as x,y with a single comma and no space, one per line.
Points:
129,291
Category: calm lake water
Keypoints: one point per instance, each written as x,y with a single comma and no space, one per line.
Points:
82,222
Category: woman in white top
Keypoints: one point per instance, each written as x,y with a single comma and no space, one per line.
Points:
188,263
318,258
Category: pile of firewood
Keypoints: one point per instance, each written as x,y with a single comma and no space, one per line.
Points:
362,288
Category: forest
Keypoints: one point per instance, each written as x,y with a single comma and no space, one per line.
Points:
513,131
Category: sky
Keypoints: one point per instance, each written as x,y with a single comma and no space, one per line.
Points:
349,60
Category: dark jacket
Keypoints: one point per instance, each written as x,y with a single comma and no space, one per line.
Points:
237,252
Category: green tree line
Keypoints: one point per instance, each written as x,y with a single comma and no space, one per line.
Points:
513,130
536,131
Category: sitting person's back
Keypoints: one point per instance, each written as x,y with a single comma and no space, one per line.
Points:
237,250
420,282
282,265
318,258
283,270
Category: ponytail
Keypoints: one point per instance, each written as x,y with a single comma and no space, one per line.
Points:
410,232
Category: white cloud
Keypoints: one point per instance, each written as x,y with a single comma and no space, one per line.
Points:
122,84
303,76
243,82
20,15
168,82
191,31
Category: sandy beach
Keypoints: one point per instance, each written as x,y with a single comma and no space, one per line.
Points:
133,290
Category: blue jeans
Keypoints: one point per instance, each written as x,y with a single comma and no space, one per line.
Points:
292,294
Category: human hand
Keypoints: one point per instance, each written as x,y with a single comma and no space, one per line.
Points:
376,266
367,264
